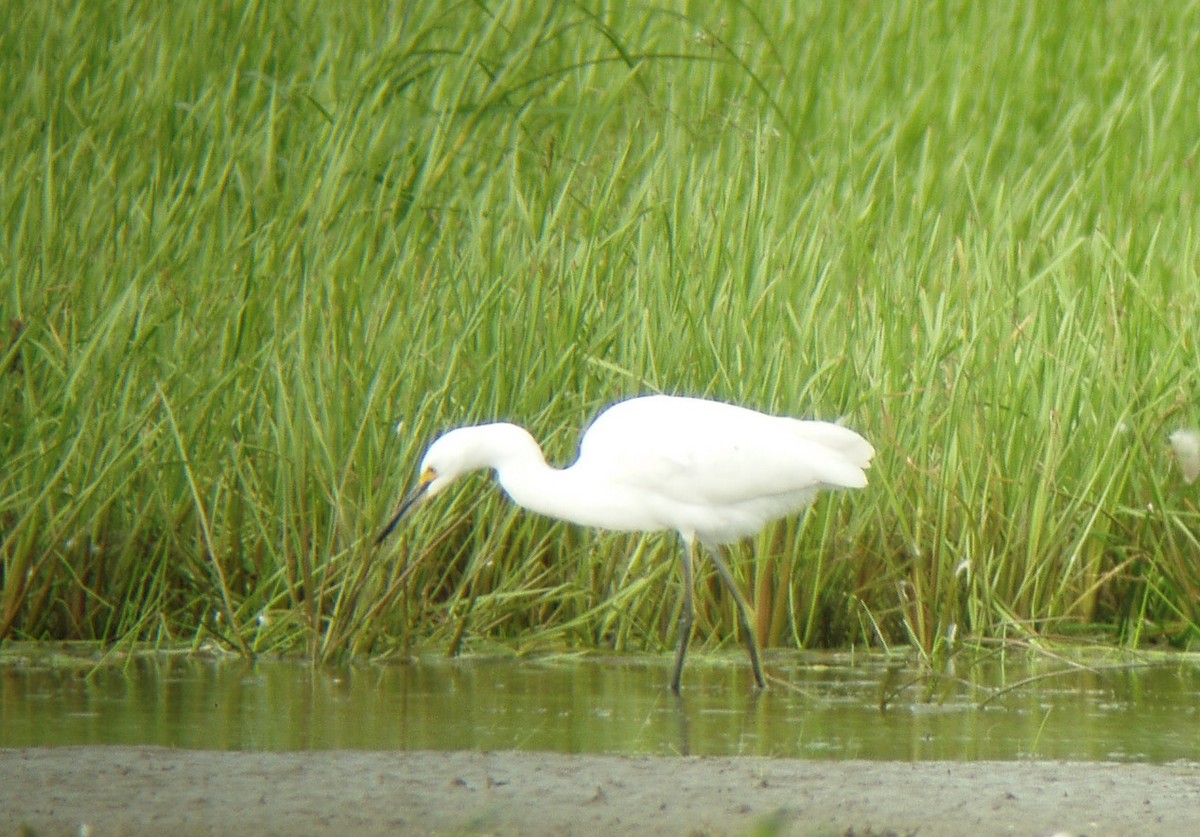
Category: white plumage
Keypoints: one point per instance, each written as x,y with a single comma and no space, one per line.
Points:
711,471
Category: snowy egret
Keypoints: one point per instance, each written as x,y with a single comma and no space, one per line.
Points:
713,472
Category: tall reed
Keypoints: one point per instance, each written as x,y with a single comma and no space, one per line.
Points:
242,242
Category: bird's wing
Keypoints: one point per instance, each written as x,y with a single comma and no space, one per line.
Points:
705,452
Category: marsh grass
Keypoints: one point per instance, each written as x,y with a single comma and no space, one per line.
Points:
242,242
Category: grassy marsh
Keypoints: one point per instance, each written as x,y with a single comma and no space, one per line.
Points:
241,242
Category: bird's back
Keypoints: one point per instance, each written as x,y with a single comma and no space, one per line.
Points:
717,470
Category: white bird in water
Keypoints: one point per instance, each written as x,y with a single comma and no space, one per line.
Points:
713,472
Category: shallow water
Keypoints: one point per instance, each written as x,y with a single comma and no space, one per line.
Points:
1129,708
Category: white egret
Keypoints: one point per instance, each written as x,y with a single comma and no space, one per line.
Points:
1186,444
713,472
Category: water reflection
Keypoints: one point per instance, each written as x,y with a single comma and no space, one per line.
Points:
1136,710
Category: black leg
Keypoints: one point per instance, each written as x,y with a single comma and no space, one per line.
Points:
743,618
687,615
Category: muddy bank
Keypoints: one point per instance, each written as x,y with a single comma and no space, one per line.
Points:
135,790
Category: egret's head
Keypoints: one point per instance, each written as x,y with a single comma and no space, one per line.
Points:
456,453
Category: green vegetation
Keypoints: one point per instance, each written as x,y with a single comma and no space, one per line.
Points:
241,241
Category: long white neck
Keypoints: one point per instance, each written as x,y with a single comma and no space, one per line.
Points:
576,496
572,494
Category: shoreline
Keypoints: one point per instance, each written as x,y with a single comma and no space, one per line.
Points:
131,790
